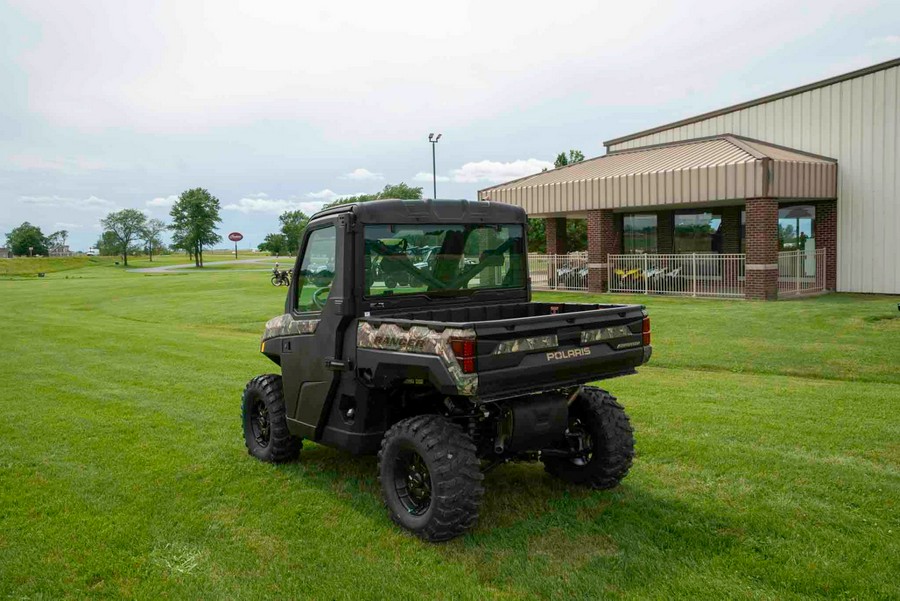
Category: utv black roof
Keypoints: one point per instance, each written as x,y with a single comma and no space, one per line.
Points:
429,211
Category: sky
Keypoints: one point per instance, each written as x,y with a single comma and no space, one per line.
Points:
274,106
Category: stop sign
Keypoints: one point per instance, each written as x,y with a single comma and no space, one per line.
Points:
235,236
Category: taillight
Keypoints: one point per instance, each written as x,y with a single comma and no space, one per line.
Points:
645,331
464,349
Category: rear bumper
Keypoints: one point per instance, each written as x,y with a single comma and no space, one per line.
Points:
551,370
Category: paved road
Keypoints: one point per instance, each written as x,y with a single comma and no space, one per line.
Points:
210,264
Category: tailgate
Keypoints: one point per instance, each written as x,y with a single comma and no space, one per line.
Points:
551,351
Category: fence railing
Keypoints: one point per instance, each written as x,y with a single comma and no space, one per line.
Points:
694,274
687,274
801,272
558,272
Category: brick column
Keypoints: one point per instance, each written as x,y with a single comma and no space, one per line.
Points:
555,234
826,237
604,238
762,249
665,232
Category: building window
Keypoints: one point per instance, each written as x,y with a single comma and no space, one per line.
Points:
639,233
796,228
698,233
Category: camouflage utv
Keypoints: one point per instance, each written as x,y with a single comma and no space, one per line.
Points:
450,375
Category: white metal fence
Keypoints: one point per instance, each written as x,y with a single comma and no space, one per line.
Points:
558,272
801,272
695,274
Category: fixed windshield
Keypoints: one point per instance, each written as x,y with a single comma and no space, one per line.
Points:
443,259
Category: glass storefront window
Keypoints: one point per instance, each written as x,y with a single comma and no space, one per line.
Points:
698,233
639,233
796,228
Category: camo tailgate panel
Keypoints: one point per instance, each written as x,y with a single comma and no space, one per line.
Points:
534,343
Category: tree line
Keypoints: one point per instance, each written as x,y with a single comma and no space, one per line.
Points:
286,241
195,217
28,239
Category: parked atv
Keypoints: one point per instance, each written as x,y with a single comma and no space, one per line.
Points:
447,378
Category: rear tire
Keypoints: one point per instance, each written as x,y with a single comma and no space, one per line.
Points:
607,429
263,416
430,477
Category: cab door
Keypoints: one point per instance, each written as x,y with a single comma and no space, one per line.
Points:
307,364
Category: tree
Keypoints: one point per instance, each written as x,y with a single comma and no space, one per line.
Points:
195,216
108,245
26,237
58,238
537,235
151,234
293,224
275,244
575,156
128,226
401,190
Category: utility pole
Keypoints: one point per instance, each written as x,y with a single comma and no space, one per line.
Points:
434,140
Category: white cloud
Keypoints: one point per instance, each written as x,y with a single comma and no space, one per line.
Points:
497,172
329,195
362,174
62,225
92,203
273,206
425,176
887,40
162,202
324,194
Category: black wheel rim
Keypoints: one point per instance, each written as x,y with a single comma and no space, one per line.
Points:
259,423
583,444
412,481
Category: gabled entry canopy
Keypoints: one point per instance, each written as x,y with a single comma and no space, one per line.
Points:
702,170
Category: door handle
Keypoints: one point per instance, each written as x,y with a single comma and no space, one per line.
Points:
338,365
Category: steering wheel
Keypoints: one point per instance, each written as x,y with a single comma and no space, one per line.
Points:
320,302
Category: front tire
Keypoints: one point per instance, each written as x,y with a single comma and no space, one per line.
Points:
430,477
263,415
606,438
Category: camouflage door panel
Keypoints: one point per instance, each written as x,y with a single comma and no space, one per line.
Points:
421,340
286,325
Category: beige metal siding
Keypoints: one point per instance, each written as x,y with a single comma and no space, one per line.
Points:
855,121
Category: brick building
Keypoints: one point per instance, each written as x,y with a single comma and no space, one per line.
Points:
800,184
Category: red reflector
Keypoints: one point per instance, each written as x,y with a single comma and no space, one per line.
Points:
645,332
464,349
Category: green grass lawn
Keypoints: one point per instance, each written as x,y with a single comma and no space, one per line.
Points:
768,461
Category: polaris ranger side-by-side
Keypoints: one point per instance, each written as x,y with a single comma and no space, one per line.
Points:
409,331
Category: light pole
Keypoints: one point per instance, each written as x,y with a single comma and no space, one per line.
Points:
434,140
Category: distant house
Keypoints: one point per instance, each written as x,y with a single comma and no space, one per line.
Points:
5,253
60,250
